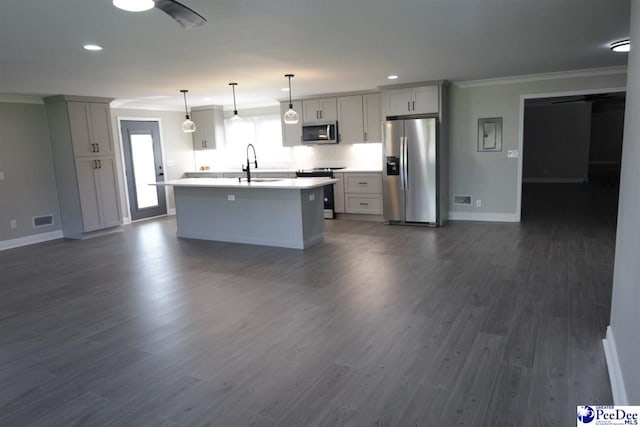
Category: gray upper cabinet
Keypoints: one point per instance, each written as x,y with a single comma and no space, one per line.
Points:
372,106
90,131
350,119
209,128
291,134
360,118
319,110
407,101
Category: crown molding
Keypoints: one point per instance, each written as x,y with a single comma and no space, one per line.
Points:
606,71
21,99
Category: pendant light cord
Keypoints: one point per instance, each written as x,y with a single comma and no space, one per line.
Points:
233,87
290,103
186,111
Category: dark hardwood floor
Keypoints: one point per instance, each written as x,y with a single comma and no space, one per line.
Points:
469,324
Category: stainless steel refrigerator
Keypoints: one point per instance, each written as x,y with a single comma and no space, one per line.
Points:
410,188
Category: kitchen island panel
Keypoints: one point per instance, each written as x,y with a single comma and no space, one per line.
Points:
262,216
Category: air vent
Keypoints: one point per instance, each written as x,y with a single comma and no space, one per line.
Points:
461,200
42,221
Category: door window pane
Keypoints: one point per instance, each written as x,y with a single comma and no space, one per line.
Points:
144,170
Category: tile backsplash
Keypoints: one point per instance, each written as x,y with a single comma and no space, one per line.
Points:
358,156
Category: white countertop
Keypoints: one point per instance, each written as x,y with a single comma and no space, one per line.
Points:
283,184
348,170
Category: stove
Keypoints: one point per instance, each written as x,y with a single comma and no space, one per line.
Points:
329,203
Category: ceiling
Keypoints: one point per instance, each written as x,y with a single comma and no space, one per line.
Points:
330,45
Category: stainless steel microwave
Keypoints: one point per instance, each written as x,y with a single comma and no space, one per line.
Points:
320,133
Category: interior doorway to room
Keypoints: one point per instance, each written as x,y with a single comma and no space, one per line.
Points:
572,147
143,165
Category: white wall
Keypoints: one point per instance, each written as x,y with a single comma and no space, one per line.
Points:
556,142
177,147
623,336
490,176
29,186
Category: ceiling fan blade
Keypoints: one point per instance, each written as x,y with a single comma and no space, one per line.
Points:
185,16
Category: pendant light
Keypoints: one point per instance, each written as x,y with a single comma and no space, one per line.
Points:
236,118
291,116
187,126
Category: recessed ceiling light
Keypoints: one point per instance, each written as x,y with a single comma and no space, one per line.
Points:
392,77
285,89
93,47
621,46
134,5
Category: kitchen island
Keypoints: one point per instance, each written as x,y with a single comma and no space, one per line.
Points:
273,212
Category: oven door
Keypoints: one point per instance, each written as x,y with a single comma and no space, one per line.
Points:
326,133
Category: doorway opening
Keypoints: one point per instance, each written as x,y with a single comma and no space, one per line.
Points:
143,166
572,148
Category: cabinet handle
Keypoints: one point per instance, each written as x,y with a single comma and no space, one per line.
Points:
99,164
414,105
408,105
321,115
364,204
202,143
317,114
365,136
97,148
362,183
95,163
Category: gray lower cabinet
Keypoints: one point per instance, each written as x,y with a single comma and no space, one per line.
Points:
363,192
98,193
84,165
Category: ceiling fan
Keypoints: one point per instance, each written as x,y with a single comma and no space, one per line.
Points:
184,15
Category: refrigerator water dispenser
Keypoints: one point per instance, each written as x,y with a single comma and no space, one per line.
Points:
393,165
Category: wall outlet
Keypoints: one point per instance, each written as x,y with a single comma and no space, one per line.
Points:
478,203
512,154
231,197
13,223
312,197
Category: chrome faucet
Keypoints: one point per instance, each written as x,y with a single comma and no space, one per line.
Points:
247,169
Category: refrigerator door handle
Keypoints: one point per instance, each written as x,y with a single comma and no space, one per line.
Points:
406,163
402,160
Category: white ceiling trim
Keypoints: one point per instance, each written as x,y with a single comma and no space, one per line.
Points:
605,71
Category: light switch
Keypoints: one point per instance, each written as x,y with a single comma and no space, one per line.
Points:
231,197
512,154
1,176
312,197
171,163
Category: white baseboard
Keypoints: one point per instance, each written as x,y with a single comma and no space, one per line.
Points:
615,373
171,211
554,180
483,216
30,240
126,220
